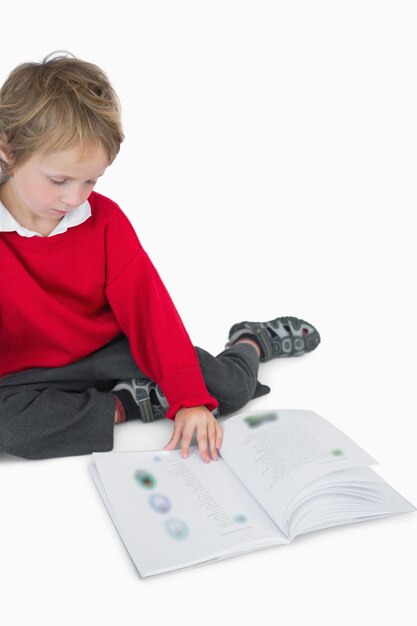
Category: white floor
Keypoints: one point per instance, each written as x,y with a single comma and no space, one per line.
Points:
61,554
269,169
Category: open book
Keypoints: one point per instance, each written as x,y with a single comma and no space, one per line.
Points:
281,474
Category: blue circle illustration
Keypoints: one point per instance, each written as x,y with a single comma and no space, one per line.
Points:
160,503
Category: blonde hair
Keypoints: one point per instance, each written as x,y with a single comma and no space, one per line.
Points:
57,104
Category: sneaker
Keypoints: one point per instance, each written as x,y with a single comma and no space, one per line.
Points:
147,395
282,337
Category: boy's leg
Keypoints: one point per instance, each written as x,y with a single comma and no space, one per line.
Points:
37,422
231,376
69,410
64,411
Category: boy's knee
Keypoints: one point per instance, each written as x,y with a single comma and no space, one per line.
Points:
234,398
17,435
10,442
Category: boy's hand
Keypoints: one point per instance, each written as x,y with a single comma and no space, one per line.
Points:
208,430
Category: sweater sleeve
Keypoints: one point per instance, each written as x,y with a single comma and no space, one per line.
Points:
157,337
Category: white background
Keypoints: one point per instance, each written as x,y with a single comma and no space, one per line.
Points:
269,168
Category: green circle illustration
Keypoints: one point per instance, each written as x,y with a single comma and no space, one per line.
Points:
176,528
145,479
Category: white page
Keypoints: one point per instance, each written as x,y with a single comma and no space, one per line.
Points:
353,481
173,512
277,453
333,506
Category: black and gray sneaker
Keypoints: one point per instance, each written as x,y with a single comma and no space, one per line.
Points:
281,337
148,396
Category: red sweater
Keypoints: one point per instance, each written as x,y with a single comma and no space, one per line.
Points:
66,296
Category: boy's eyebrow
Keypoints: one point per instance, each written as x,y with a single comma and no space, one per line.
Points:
71,177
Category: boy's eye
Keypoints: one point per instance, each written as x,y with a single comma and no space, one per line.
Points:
62,182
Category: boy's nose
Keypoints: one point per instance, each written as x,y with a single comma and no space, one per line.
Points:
73,200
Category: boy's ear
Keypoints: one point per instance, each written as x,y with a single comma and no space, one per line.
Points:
5,154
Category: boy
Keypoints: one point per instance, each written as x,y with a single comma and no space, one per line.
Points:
89,336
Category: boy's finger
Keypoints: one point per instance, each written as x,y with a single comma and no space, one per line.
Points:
202,444
174,441
212,441
219,436
187,435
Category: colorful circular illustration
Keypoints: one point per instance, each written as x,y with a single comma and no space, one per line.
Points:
159,503
256,420
145,479
176,528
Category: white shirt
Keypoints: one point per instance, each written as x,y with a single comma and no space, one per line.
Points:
75,217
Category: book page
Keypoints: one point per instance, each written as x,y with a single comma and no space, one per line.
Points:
277,453
173,512
342,497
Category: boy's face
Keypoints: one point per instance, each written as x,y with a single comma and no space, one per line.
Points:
48,187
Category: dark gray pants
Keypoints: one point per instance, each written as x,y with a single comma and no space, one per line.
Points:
66,411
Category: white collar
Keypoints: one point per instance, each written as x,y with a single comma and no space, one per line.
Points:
74,218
